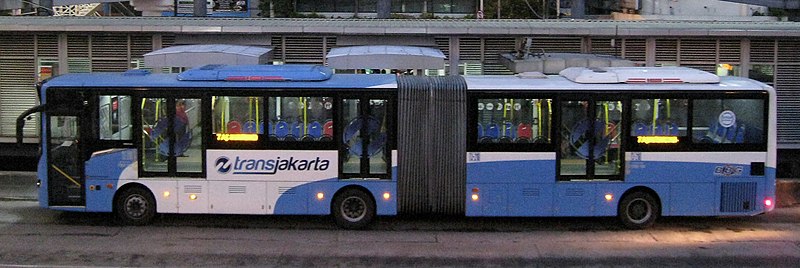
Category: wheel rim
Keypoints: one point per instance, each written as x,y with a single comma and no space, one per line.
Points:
353,209
135,206
639,211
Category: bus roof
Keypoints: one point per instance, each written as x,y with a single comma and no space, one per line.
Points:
558,82
216,79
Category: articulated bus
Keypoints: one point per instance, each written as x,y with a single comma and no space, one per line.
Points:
635,143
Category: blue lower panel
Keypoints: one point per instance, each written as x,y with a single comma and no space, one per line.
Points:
304,200
100,195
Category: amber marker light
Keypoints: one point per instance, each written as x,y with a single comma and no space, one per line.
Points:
320,195
475,194
386,196
192,197
609,197
166,194
657,139
237,137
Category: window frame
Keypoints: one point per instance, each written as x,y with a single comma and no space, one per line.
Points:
686,144
473,145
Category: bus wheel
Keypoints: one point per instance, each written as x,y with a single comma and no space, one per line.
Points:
638,210
135,206
353,209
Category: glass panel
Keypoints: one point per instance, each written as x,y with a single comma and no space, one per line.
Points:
345,5
378,137
575,144
763,73
659,117
352,140
300,118
237,115
606,150
728,121
188,149
115,117
65,184
514,120
155,141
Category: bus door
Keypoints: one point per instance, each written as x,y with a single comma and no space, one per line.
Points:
66,182
590,140
364,150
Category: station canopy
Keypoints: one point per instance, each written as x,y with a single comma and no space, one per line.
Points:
200,55
385,57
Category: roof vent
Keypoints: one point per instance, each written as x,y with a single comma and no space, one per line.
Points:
638,75
259,73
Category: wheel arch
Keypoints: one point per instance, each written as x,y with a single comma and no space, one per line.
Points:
354,187
643,189
130,185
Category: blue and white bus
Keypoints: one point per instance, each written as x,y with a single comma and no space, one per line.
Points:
636,143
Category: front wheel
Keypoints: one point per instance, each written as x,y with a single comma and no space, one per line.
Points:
135,206
353,209
638,210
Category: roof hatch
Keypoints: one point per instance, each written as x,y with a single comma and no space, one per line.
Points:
638,75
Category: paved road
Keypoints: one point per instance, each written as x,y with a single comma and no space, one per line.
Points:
31,236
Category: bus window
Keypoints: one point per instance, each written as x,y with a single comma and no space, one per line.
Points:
154,125
659,117
514,120
237,115
187,149
300,118
167,120
728,121
114,117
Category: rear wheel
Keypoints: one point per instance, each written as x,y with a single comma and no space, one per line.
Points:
135,206
638,210
353,209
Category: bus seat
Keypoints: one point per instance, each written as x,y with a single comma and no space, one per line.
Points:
249,127
492,131
297,129
281,129
327,130
509,130
234,127
739,134
261,127
730,133
524,131
639,129
314,130
480,130
671,129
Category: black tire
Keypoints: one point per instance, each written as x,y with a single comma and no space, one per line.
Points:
353,209
638,210
135,206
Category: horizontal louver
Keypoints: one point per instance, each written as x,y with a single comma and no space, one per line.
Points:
110,53
667,50
634,49
303,49
762,51
557,44
788,51
788,87
443,43
698,51
730,51
17,94
607,46
470,49
78,46
47,45
140,45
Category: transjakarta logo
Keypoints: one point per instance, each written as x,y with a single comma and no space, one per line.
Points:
269,166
